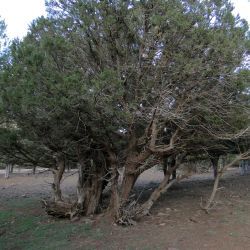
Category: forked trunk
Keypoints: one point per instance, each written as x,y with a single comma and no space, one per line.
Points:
132,172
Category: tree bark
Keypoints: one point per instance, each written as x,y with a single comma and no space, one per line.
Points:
131,174
11,168
7,171
168,164
90,185
114,204
80,187
215,160
163,187
93,191
34,170
57,174
128,183
212,196
216,182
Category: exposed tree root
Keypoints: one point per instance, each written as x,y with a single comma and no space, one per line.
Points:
60,209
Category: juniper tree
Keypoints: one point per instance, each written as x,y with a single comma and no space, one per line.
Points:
127,83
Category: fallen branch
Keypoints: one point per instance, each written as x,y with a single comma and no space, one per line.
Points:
60,209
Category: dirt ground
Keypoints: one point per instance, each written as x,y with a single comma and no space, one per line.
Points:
176,221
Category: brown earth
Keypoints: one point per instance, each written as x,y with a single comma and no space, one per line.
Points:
176,222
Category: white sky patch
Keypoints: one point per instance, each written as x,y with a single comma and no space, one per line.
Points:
242,7
18,14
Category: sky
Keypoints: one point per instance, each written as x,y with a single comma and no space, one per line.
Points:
18,14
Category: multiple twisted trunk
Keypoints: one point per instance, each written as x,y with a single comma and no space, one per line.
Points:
94,167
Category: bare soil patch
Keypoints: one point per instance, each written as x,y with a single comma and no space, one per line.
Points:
176,222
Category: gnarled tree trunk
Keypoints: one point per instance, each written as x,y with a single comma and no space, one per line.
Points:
131,173
93,191
90,184
128,183
57,174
